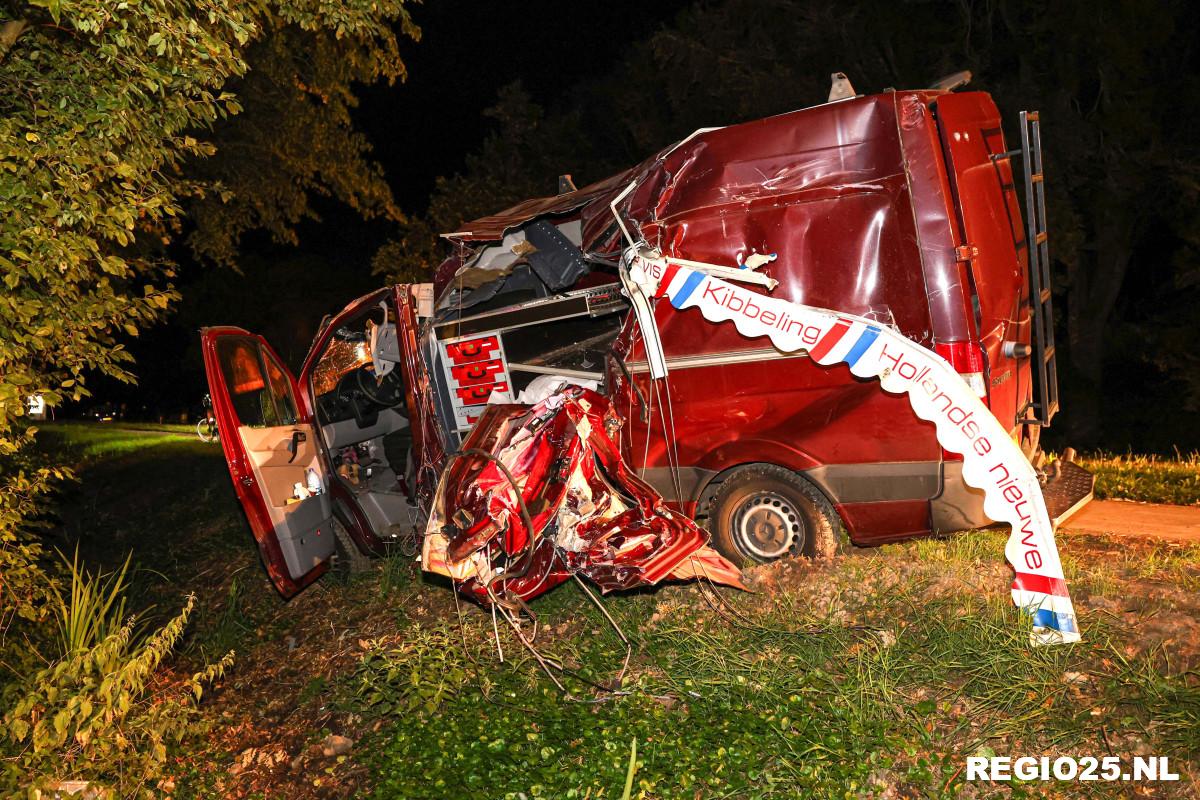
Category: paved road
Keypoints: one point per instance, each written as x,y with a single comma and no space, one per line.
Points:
1123,518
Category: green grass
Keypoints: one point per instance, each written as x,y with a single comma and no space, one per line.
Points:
743,703
187,428
165,497
1150,479
84,441
723,708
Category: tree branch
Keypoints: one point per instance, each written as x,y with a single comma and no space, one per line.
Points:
10,31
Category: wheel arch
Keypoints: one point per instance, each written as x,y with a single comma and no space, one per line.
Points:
348,512
709,489
720,462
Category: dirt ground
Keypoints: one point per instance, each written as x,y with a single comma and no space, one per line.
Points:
1124,518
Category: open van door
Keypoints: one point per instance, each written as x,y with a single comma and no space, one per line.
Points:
271,448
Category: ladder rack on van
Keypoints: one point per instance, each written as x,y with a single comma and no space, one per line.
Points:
1045,369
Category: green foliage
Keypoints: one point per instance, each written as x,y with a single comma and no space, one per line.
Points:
95,608
108,111
422,672
25,587
295,137
105,715
732,704
398,569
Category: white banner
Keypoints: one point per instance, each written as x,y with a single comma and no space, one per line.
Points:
991,460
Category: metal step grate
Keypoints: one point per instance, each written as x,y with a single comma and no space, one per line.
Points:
1068,490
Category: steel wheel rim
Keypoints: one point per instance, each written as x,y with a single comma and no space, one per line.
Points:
767,526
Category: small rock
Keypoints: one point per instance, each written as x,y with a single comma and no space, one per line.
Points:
297,763
290,641
335,745
886,638
1074,678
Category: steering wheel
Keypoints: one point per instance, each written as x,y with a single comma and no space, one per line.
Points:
387,392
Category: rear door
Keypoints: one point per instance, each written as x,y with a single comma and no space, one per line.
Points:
994,244
271,448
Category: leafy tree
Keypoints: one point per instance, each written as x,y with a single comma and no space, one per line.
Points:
294,138
108,111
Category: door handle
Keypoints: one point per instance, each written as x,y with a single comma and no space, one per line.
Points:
293,445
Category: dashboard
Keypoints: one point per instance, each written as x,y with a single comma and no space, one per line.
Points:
359,396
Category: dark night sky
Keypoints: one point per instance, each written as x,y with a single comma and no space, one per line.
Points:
468,51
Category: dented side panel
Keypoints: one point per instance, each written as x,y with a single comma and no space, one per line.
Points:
854,201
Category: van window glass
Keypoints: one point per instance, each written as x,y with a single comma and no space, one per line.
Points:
259,389
281,390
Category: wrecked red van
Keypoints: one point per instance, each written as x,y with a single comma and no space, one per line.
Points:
903,207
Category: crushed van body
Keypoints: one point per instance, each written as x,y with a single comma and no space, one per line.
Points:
540,492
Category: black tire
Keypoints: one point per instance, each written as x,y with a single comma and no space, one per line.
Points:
762,512
347,558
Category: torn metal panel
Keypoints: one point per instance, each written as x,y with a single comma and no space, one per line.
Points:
494,227
579,508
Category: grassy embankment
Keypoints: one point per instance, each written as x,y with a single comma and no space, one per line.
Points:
1149,479
876,674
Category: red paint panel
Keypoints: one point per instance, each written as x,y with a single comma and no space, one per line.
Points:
856,201
992,227
885,522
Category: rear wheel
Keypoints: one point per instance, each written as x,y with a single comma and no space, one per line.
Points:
763,512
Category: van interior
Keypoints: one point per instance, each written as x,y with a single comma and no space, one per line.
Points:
499,328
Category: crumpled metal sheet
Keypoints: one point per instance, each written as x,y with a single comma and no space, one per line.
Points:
588,514
827,188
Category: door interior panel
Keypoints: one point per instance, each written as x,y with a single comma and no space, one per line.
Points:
304,526
305,531
277,472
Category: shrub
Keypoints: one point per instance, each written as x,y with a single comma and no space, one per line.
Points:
416,675
104,715
94,610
